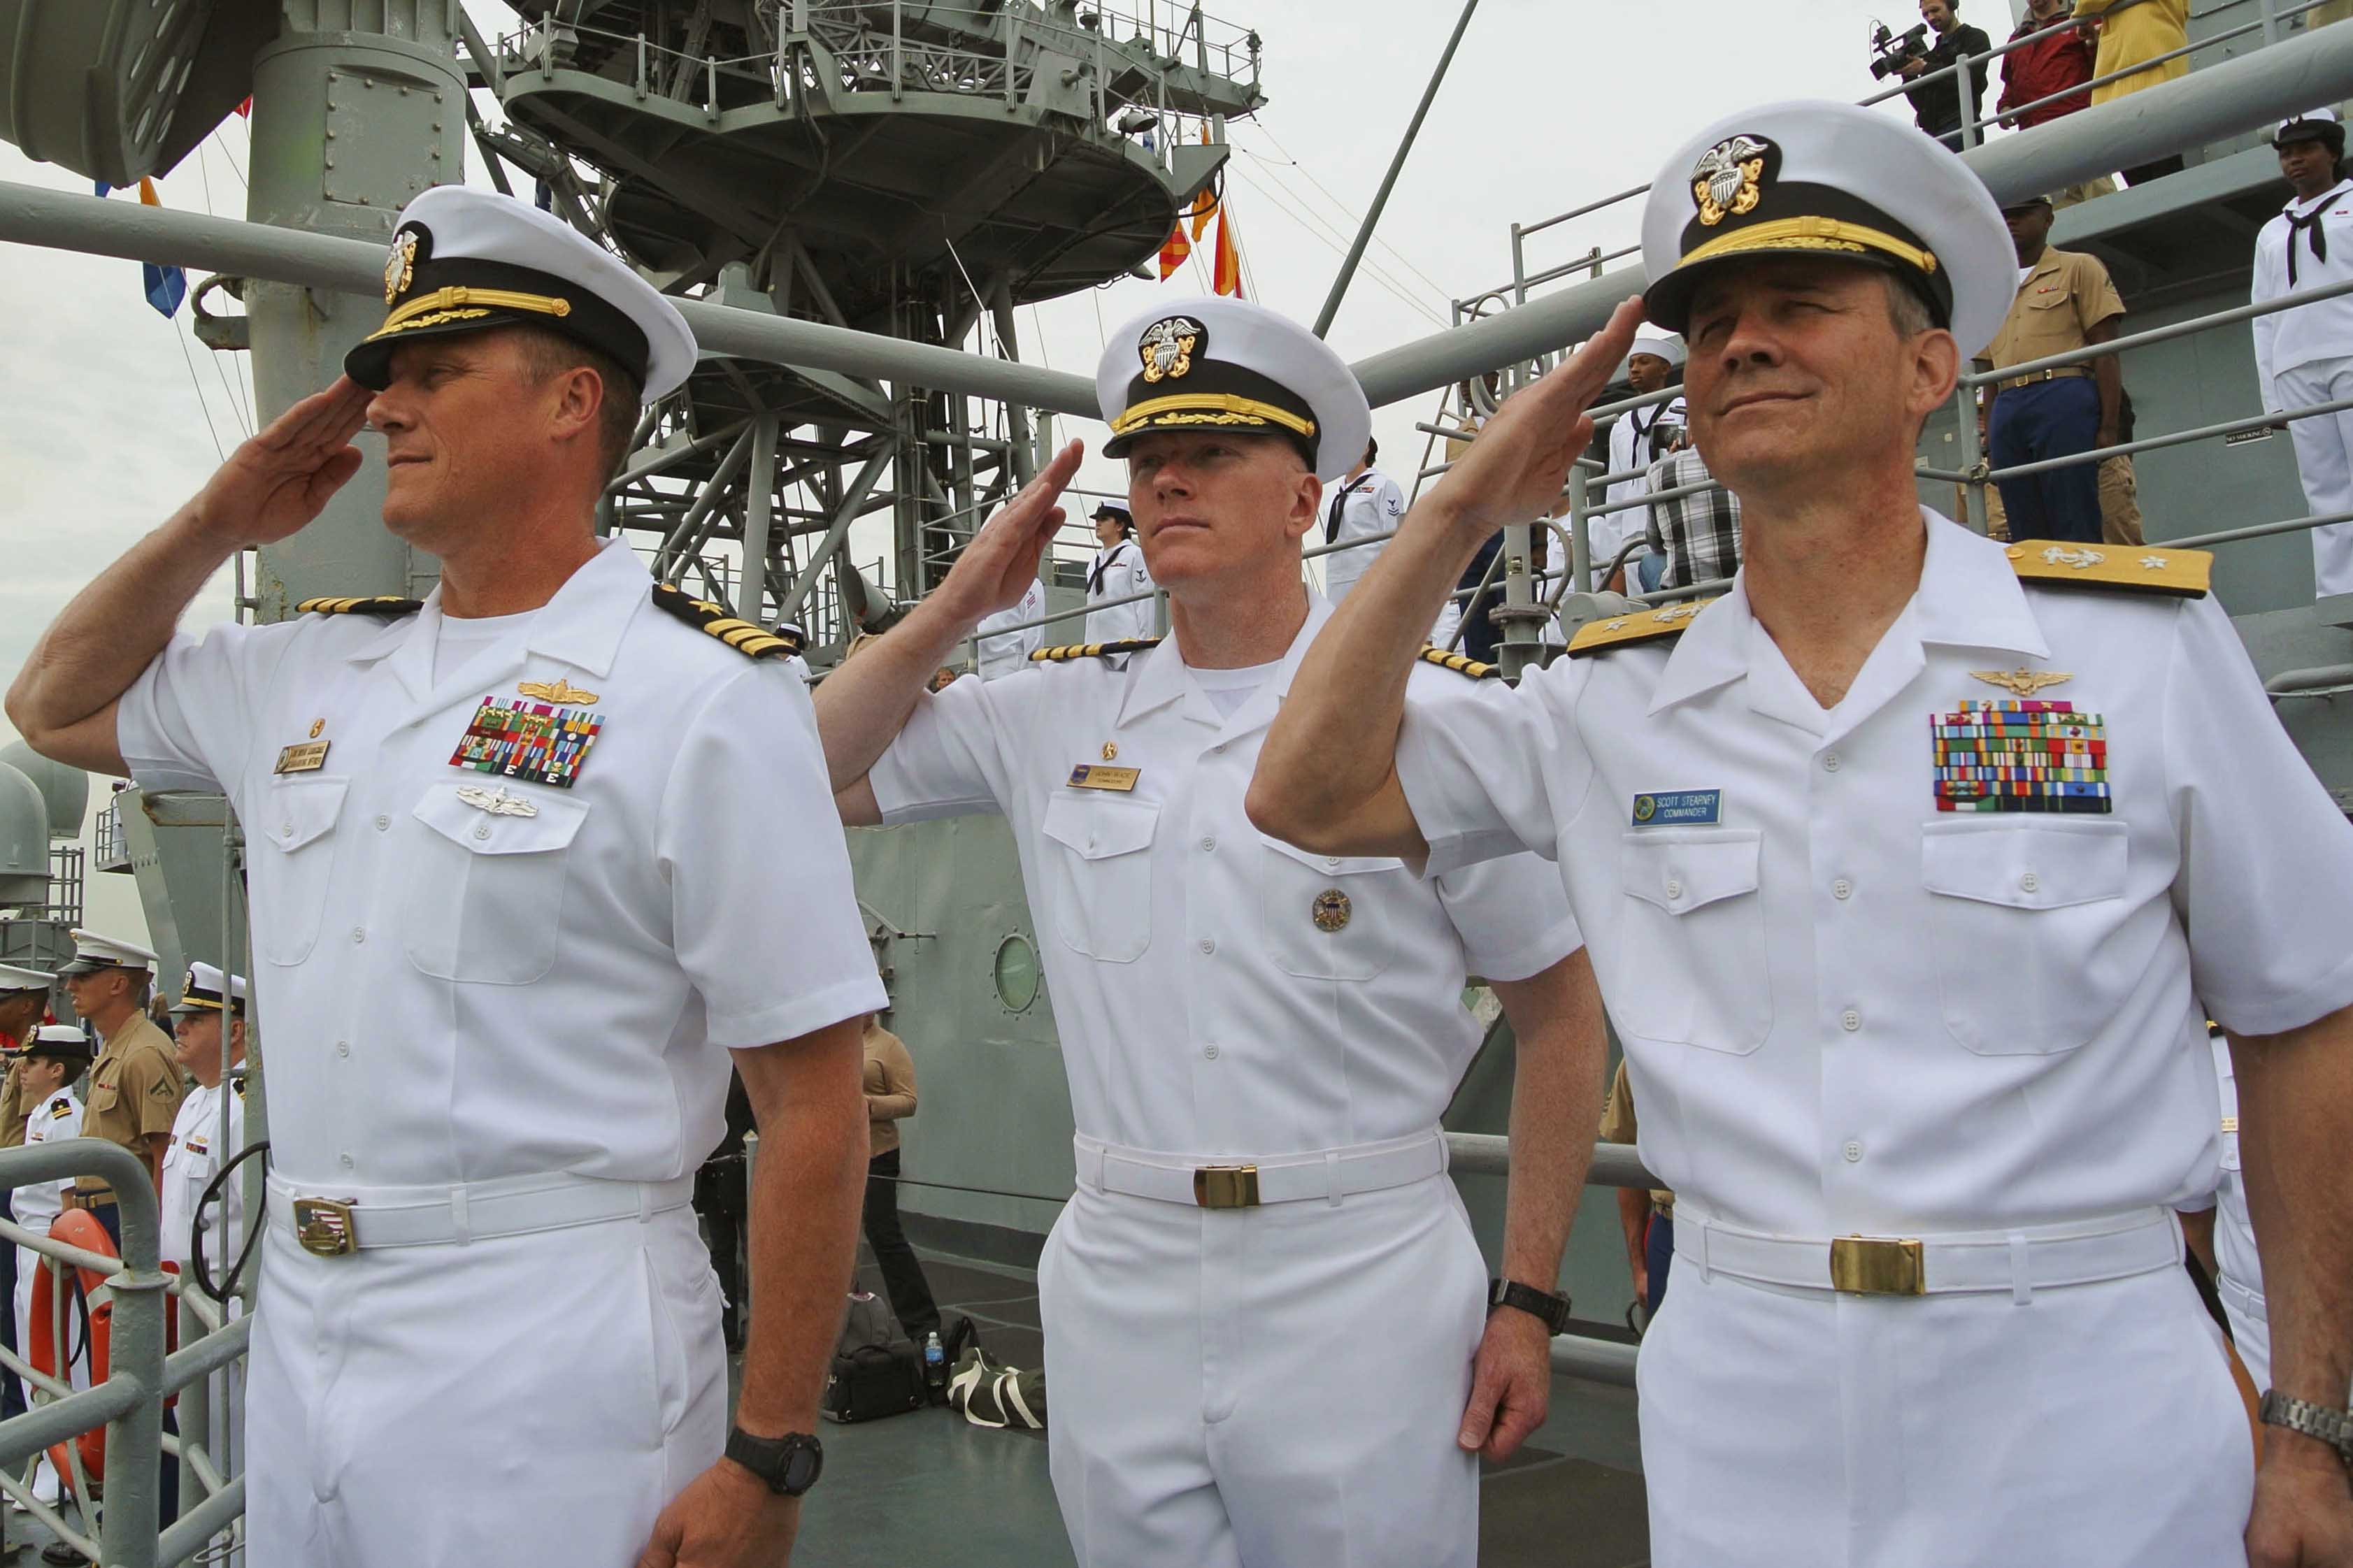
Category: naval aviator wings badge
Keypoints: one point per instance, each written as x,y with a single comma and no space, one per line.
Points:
534,742
2022,681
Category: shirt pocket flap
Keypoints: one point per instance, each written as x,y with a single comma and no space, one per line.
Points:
1680,870
1332,865
551,827
1099,829
297,811
2025,866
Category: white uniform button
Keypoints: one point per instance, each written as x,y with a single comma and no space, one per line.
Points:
383,824
1830,762
1208,944
285,830
1853,1152
482,831
1331,862
1841,888
2028,882
1218,750
1674,888
347,1162
359,933
1849,1020
1209,844
342,1047
1210,1052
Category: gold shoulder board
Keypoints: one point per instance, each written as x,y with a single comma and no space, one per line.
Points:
2132,568
1461,664
383,605
1639,626
715,620
1092,650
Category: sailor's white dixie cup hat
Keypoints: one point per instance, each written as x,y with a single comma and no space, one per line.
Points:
1658,345
201,992
93,953
1210,363
465,260
1829,180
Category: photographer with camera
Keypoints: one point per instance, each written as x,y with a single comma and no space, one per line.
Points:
1935,104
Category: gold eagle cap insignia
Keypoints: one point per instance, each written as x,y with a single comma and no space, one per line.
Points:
1730,177
2022,681
1167,346
400,266
556,690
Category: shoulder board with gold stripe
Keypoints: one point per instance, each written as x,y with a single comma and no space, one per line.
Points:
745,639
2131,569
384,604
1092,650
1639,626
1461,664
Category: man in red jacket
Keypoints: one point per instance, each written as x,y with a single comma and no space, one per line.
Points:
2050,65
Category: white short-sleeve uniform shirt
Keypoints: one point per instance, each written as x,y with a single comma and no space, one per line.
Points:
1001,653
194,1157
54,1119
461,994
1203,1009
1634,441
1116,573
1368,506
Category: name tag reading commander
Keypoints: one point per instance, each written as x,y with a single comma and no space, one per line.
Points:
1948,843
534,861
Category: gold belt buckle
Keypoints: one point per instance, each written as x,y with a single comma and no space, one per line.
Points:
324,1226
1877,1266
1225,1186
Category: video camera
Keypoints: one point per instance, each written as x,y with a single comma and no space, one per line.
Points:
1891,52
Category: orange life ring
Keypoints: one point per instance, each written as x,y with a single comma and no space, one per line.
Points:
76,1227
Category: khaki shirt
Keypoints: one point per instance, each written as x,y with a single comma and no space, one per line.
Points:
889,1087
12,1109
1618,1127
135,1089
2068,294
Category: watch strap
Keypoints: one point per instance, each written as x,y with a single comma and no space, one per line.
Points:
1547,1308
789,1464
2328,1425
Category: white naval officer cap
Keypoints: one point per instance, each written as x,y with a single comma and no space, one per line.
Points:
1658,345
2322,125
1829,180
1210,364
66,1042
202,991
93,953
14,979
464,260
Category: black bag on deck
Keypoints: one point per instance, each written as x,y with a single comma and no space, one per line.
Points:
876,1371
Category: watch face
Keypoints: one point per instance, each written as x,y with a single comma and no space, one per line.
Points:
802,1467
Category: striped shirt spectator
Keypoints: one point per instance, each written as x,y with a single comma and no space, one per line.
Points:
1700,534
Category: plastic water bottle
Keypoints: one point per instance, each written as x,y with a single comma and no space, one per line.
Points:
936,1368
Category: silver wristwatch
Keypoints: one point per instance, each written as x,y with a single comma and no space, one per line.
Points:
2334,1428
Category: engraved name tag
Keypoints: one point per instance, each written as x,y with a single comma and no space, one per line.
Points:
306,758
1090,775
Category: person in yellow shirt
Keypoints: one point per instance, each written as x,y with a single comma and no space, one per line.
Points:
2136,33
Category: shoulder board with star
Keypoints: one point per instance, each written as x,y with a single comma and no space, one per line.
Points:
1461,664
1640,626
1092,650
2131,569
745,639
385,606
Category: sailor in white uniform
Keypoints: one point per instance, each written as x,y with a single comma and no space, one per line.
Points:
1002,653
1366,504
796,642
2305,356
1117,572
1262,1305
56,1056
1897,867
534,863
204,1018
1639,439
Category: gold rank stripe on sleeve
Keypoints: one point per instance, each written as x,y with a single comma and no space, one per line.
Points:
384,604
1638,626
1092,650
715,620
2133,569
1461,664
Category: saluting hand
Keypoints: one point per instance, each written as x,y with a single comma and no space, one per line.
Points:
998,567
278,480
1516,464
1511,1385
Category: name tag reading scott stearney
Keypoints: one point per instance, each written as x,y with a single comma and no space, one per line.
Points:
1678,808
307,757
1090,775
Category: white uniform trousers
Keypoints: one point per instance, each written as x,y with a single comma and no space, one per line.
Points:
73,1334
2095,1425
2323,458
527,1399
1272,1387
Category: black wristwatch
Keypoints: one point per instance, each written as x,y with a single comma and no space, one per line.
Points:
790,1464
2334,1428
1552,1311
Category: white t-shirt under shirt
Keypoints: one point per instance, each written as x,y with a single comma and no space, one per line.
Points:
462,637
1230,688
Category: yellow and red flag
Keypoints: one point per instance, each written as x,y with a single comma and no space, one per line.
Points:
1226,276
1174,251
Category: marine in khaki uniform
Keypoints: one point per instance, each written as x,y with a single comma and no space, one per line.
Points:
134,1086
24,999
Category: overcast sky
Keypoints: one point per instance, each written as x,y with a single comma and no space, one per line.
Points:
113,415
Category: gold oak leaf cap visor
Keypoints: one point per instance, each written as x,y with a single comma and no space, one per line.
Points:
1835,182
464,260
1210,364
